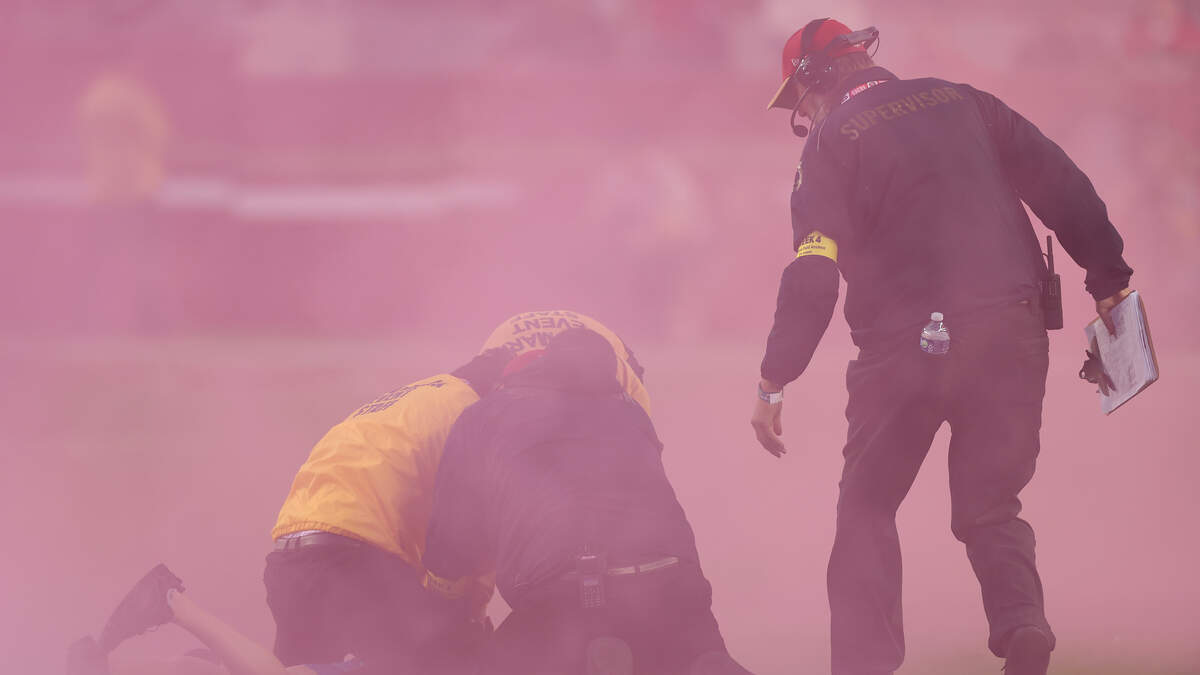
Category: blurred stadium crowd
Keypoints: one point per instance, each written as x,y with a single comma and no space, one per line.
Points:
339,168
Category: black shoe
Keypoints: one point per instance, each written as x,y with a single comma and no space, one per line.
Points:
84,657
1028,652
142,608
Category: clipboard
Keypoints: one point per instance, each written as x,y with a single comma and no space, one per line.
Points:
1128,359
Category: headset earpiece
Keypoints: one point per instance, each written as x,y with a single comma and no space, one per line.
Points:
815,71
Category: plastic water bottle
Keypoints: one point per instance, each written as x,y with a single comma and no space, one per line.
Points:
935,339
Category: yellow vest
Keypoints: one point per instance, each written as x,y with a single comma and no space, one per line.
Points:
371,477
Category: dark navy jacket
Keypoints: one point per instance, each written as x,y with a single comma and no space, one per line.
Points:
556,460
920,183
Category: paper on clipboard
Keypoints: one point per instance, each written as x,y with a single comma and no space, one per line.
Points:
1128,357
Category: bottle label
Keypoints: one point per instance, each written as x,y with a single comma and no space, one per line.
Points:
934,345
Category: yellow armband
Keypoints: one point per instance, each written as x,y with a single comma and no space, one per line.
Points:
816,243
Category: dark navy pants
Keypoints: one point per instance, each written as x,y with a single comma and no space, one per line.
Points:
989,387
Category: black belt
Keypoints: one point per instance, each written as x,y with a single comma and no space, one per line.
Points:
874,340
651,566
298,541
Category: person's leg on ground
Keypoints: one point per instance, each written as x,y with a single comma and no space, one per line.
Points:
157,599
240,654
182,665
190,665
894,410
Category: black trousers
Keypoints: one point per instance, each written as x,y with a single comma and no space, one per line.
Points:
989,387
329,601
665,617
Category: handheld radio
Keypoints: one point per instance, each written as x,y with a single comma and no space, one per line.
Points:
591,570
1052,291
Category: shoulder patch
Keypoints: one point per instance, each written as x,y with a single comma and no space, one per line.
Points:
815,243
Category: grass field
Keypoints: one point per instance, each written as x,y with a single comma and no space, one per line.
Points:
122,453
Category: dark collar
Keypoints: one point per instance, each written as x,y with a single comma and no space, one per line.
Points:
862,77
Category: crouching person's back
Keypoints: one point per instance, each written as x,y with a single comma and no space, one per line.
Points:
590,546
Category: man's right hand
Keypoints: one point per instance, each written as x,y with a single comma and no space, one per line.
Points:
767,422
1104,309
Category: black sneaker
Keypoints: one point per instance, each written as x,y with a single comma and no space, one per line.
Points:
1028,652
84,657
143,607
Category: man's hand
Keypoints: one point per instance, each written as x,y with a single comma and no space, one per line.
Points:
1104,309
767,423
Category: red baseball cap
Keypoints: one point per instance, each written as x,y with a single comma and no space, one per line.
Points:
793,52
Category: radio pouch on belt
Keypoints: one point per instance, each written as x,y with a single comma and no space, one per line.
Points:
1052,292
590,570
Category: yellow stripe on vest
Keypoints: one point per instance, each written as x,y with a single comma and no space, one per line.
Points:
816,243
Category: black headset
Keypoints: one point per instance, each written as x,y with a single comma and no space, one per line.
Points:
815,71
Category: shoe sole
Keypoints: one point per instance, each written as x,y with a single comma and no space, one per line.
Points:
144,607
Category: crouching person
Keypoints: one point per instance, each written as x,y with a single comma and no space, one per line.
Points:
345,574
556,481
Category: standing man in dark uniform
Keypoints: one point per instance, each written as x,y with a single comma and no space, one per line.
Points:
912,189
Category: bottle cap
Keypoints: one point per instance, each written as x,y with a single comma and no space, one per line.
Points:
936,316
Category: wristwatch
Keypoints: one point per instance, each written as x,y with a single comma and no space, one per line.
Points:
771,397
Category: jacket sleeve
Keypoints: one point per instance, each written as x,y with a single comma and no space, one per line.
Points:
821,196
458,545
1060,194
808,291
